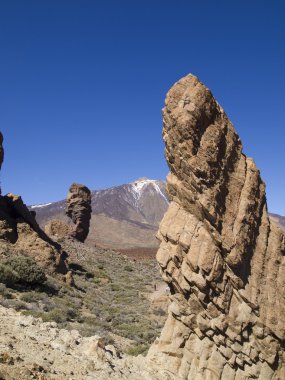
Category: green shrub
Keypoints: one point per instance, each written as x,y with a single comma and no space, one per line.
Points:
140,349
4,292
56,315
31,297
26,269
60,315
8,276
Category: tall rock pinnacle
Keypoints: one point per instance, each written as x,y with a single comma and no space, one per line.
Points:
79,210
223,259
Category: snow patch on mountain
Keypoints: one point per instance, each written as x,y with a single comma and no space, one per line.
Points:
157,188
139,186
41,205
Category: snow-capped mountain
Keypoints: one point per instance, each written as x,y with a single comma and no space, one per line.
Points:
124,216
143,201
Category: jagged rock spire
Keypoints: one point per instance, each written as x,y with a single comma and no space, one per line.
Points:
79,210
221,256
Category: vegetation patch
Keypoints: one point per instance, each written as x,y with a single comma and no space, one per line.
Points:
21,269
111,297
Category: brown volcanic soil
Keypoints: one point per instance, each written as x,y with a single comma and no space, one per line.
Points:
139,253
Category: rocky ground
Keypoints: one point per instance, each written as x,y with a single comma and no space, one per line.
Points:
31,349
120,299
116,300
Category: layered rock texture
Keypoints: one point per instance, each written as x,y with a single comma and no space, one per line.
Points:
221,256
78,208
20,233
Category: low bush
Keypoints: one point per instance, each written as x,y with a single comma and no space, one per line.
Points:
23,269
31,297
4,292
56,315
140,349
8,276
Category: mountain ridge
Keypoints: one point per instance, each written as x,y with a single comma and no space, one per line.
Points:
126,216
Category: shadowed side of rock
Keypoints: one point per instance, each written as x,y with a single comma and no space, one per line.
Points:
220,255
78,208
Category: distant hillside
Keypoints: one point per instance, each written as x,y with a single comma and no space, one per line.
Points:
278,219
124,217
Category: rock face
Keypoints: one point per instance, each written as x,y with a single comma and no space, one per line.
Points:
78,208
19,232
220,255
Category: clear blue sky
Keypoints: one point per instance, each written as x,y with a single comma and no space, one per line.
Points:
82,84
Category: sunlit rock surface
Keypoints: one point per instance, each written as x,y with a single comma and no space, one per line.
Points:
221,256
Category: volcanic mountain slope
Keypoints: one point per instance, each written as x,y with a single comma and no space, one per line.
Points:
125,216
279,220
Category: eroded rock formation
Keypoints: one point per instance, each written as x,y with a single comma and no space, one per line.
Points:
78,208
57,228
221,256
19,232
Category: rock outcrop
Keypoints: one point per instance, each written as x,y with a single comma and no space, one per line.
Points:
19,232
220,255
58,228
78,208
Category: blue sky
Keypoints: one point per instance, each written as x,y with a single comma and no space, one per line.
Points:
82,84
